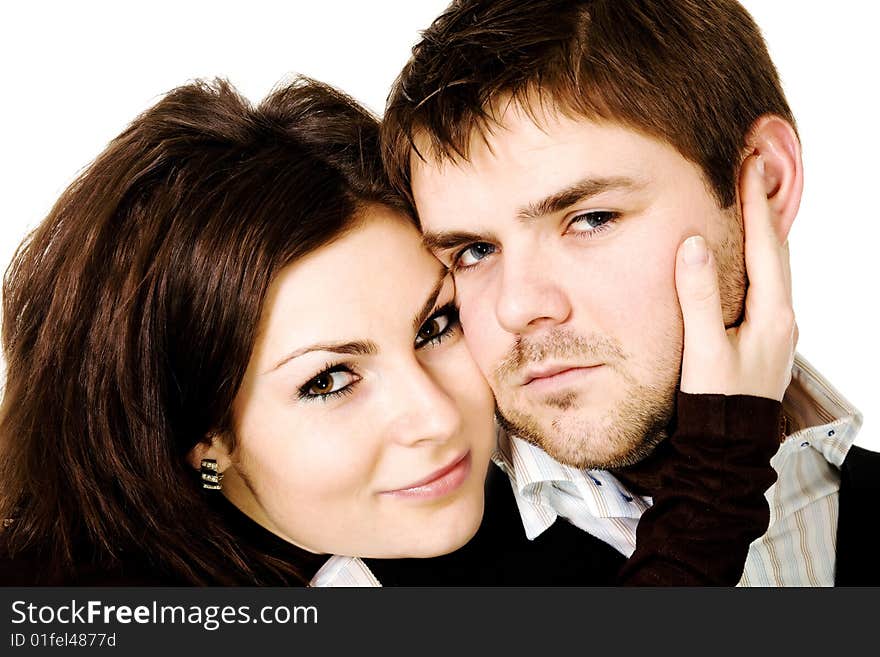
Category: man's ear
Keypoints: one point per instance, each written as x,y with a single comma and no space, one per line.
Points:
775,140
212,447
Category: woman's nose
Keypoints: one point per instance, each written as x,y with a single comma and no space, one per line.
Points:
422,411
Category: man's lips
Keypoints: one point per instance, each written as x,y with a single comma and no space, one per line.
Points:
438,483
546,373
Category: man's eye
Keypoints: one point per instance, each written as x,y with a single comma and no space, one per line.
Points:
328,383
592,222
473,254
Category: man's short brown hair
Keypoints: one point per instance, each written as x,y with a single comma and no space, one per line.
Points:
693,73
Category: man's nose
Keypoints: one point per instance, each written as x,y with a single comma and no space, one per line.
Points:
419,408
530,296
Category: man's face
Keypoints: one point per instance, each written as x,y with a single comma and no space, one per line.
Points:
562,234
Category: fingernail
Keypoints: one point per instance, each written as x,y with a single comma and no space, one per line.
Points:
760,165
695,252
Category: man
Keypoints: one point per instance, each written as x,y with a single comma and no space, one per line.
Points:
557,154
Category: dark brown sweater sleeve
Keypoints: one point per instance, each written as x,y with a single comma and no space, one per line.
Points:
707,481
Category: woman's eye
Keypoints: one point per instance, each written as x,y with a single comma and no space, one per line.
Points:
590,222
327,383
437,327
432,328
473,254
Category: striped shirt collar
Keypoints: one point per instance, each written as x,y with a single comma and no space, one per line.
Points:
537,479
799,548
841,421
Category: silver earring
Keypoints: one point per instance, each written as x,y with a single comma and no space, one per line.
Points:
211,477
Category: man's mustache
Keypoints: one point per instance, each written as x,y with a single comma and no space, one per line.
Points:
559,344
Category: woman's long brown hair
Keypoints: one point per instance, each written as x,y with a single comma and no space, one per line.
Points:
129,317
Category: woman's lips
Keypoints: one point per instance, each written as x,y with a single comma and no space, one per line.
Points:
439,483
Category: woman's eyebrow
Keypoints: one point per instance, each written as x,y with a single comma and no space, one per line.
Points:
353,348
431,300
365,347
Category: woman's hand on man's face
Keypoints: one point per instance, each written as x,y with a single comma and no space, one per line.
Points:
755,357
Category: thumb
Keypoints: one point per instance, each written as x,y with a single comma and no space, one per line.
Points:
697,285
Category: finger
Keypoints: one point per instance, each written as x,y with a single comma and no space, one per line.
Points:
768,281
786,269
696,282
795,334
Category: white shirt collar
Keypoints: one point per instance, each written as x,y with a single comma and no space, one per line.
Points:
834,438
537,478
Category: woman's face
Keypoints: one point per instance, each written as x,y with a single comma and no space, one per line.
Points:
363,427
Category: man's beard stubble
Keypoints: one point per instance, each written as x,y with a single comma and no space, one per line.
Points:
639,420
625,435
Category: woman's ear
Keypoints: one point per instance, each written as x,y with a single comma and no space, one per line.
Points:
212,447
775,140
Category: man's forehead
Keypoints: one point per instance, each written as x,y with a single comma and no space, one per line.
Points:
547,170
525,119
534,146
525,171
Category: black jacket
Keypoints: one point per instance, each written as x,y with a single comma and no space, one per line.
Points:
500,554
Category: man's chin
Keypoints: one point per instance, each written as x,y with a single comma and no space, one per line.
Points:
588,447
599,455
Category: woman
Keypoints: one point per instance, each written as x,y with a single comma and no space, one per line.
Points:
231,298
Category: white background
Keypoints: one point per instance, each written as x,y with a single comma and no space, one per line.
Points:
74,74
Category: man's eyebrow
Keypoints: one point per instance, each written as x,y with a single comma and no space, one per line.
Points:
439,241
579,191
354,348
423,314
